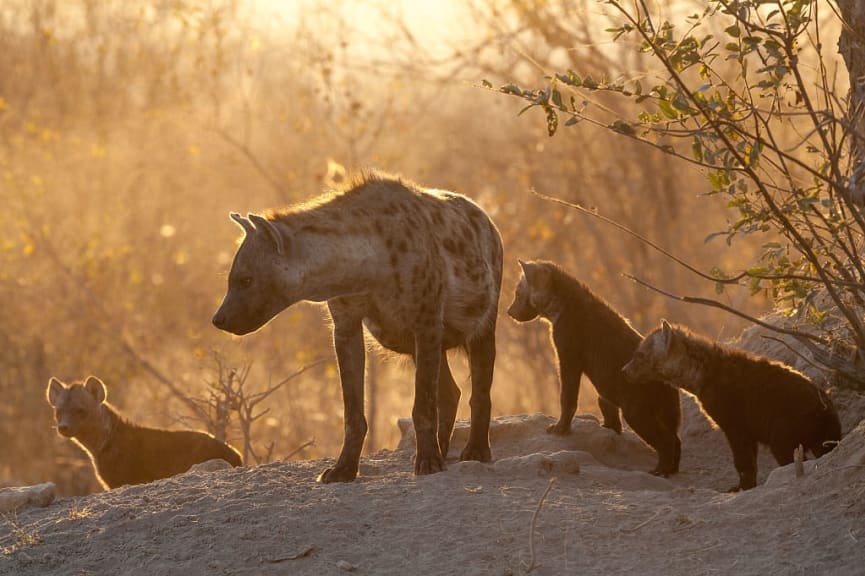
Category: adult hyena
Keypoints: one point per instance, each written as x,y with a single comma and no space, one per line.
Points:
123,452
420,268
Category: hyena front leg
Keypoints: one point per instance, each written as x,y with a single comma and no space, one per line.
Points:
571,370
428,352
482,357
449,399
350,356
611,414
745,459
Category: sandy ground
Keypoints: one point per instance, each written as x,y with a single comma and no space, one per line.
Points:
602,514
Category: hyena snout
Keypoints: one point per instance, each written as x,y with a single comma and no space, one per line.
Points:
232,324
219,319
65,429
225,319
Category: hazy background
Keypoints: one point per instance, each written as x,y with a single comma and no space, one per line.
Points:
129,130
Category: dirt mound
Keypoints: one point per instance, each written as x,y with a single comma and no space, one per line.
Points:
580,503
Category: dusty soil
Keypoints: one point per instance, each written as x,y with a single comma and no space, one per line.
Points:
601,514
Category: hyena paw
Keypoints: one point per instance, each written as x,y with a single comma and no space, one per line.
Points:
559,428
337,474
614,426
477,453
664,470
428,465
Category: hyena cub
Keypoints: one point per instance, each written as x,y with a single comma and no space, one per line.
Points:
752,399
590,337
421,269
123,452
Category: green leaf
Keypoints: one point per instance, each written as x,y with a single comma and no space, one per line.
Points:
667,109
521,112
712,236
697,149
622,127
552,120
681,103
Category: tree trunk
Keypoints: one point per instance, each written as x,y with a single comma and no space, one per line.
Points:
851,46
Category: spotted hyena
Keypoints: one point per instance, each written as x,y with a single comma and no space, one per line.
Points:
420,269
751,398
123,452
593,339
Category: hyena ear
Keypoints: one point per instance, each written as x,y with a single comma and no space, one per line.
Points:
667,333
55,387
96,387
247,226
529,269
537,274
262,223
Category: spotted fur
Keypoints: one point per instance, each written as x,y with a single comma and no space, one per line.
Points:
419,268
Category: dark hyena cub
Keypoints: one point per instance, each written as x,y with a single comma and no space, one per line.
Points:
123,452
751,398
420,268
592,338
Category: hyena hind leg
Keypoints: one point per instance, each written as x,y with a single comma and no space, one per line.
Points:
611,415
448,402
482,357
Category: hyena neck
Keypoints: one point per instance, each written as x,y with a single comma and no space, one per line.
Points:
688,380
97,437
689,371
553,310
338,265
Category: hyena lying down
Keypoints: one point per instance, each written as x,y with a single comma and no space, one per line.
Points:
752,399
593,339
421,269
123,452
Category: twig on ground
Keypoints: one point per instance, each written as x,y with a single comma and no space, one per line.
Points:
644,522
799,459
302,554
532,557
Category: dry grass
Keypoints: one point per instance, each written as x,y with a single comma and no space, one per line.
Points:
128,132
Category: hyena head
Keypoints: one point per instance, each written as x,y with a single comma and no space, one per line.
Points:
533,293
76,407
261,282
658,357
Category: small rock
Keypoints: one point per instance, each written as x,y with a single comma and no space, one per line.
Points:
14,498
345,566
210,465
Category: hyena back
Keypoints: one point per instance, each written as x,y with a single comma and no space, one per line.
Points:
752,399
123,452
420,268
